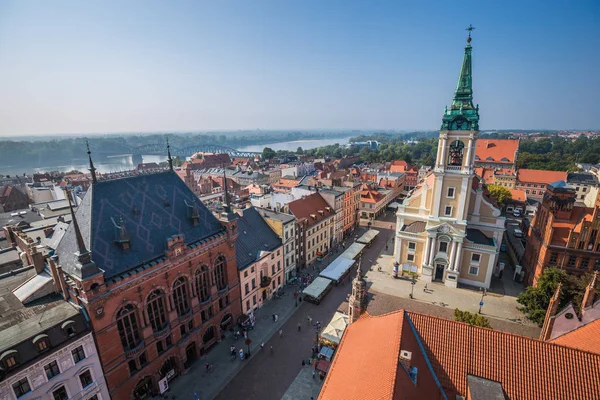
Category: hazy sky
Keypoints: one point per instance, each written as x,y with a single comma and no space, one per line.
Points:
103,66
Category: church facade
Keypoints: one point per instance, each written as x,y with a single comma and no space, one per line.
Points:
448,228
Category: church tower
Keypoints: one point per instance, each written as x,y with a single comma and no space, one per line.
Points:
357,303
448,228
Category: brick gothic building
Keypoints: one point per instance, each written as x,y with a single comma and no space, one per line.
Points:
156,273
563,233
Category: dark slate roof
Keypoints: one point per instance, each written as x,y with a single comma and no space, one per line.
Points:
153,207
478,237
582,178
254,236
415,227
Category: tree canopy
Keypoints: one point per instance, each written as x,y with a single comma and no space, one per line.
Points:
535,299
268,153
500,193
558,153
471,318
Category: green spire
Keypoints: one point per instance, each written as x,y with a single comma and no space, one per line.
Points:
462,115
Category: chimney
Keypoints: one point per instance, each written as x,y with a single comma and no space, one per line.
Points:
550,314
37,259
590,294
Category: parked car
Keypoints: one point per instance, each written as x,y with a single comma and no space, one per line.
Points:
516,212
518,233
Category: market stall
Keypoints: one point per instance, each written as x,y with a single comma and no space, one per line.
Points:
315,292
323,368
333,332
354,251
369,237
326,353
338,269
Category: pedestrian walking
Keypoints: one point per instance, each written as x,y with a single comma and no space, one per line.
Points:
281,333
262,345
274,318
309,319
299,326
241,354
272,351
314,373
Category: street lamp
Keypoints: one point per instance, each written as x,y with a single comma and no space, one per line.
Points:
248,342
481,301
412,286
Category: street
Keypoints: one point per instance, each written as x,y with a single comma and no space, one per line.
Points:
268,376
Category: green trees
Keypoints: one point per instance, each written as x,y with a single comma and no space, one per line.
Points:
535,299
299,151
470,318
268,153
558,153
500,193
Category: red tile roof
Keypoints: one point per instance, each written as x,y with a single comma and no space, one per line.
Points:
368,342
540,176
518,195
313,208
527,369
496,150
585,338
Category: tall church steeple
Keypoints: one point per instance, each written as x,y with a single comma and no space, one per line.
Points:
357,303
92,169
462,115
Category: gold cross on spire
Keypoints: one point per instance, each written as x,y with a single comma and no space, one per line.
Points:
470,29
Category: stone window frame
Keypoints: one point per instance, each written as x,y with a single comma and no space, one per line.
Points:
128,326
20,383
446,214
49,367
453,192
203,284
156,308
220,272
474,267
181,300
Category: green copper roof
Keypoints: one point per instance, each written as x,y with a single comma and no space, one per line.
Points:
462,115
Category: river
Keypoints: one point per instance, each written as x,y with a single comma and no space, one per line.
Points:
125,162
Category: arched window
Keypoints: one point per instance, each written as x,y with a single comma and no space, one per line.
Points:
456,153
203,283
128,327
220,273
156,310
180,297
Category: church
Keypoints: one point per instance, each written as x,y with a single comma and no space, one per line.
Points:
448,228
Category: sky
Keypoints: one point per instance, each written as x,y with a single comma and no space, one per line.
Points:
137,66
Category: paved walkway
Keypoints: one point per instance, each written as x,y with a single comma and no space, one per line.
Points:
500,304
304,386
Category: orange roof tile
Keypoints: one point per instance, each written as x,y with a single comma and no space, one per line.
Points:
528,369
313,208
496,150
518,195
540,176
585,338
368,342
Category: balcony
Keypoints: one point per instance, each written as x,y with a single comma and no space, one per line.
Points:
135,351
265,281
163,333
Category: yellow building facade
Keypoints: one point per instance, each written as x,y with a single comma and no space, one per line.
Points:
448,228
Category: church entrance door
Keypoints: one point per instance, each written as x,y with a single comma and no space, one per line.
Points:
439,272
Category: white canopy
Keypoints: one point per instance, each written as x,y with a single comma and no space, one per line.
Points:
317,287
353,251
337,268
336,327
394,205
369,236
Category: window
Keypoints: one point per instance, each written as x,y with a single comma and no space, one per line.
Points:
156,310
473,270
247,305
220,273
21,387
450,193
182,330
10,361
584,263
413,374
168,341
533,192
410,257
475,258
254,300
443,247
180,297
159,347
572,261
553,258
278,280
584,189
78,354
51,370
252,269
253,283
143,359
203,283
86,379
128,327
448,211
42,345
246,289
273,269
278,265
412,246
527,191
60,394
245,274
132,367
